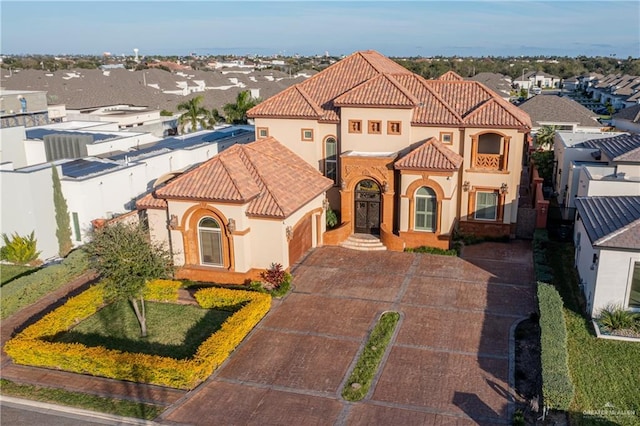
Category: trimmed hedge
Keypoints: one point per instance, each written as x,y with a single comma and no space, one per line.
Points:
28,289
432,250
33,346
162,290
542,270
557,388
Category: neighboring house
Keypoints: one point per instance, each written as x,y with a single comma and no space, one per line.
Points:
99,187
128,117
560,111
411,159
27,108
570,84
570,155
588,80
236,214
618,90
607,256
501,84
627,119
538,79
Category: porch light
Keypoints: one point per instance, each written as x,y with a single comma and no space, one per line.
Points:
231,226
594,261
504,188
466,185
325,203
289,233
343,184
385,186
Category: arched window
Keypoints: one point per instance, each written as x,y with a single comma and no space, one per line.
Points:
210,237
331,159
425,211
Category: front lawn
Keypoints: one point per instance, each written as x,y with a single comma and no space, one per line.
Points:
604,372
9,272
174,331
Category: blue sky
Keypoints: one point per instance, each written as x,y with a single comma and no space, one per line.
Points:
406,28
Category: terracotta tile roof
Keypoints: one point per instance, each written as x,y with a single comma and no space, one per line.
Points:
150,201
431,155
370,79
266,175
450,76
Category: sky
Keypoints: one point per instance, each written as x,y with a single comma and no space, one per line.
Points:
401,28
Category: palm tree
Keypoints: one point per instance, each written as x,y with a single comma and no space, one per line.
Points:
237,112
544,137
193,114
215,117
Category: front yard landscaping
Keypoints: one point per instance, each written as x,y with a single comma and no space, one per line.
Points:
42,345
604,372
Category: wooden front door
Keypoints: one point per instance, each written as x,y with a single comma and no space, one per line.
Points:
367,207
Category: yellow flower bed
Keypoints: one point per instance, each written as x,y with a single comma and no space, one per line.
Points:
33,346
162,290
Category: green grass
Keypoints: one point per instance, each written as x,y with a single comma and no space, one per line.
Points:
80,400
173,330
366,367
605,373
29,288
10,272
432,250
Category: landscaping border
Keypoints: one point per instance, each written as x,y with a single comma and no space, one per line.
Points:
33,346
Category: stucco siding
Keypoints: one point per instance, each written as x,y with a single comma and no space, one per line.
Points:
365,141
614,278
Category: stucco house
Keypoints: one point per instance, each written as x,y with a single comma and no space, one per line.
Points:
607,256
410,159
236,214
627,119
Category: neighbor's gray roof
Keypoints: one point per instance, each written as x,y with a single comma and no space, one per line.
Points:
618,148
629,113
93,88
557,109
611,222
499,83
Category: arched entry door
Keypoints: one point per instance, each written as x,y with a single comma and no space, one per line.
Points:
367,207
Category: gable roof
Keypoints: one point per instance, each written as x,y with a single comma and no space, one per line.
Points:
266,175
618,148
369,79
431,155
545,109
611,222
630,113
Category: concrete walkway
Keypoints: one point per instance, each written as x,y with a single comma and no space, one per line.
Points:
451,361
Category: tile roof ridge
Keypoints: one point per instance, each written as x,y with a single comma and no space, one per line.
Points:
451,155
399,86
499,101
310,101
264,187
361,54
245,161
426,84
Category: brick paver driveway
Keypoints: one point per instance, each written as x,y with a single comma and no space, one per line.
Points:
449,362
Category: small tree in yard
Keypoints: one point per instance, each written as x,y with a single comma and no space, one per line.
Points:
125,258
63,227
544,137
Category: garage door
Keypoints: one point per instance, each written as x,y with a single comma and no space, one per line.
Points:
301,241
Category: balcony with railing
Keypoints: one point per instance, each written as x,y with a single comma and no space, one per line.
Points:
488,162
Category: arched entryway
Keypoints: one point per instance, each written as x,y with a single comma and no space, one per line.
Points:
367,207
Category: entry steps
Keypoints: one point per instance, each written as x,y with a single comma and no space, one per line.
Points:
364,242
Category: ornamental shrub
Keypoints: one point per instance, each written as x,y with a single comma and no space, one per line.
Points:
557,388
162,290
33,346
18,249
432,250
614,317
273,277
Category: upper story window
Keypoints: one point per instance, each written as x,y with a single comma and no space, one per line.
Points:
394,127
375,126
490,151
355,126
446,137
307,135
425,210
263,132
331,158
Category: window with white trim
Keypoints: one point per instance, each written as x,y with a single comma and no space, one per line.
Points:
331,159
425,210
486,206
210,241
